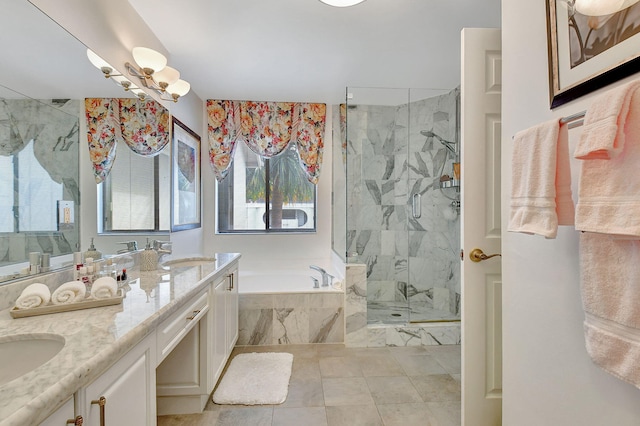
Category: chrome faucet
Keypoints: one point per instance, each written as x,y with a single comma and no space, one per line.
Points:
131,246
327,278
162,248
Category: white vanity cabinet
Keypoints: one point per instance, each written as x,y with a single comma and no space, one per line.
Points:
225,321
61,415
125,393
181,376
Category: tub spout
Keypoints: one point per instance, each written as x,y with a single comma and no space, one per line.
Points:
327,278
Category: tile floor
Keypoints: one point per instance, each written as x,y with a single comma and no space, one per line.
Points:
335,386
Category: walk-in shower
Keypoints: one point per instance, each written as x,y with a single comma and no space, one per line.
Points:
402,201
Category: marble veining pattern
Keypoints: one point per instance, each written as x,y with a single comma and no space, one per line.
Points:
389,157
109,331
281,318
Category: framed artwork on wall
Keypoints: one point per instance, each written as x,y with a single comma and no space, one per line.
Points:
185,178
587,53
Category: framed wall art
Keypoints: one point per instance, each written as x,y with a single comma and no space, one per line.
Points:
185,178
587,53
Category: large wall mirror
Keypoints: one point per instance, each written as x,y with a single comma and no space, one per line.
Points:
44,78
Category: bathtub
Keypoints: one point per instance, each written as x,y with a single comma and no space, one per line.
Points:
282,307
284,281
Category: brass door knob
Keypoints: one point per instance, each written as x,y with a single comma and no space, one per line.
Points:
477,255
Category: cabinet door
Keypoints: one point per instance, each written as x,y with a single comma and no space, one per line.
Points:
128,388
232,310
60,416
219,328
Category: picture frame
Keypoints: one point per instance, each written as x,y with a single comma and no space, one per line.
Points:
185,177
589,53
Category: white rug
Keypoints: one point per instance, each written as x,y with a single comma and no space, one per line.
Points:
255,379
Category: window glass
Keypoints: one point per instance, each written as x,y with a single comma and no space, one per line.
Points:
247,204
136,194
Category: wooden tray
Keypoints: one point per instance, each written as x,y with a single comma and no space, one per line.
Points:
53,309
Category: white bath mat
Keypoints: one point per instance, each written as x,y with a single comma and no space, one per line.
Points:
255,379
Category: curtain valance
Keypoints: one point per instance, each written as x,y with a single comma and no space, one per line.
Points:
142,124
267,128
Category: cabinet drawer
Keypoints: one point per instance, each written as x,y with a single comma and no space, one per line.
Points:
173,329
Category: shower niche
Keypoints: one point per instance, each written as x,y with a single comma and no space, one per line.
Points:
400,150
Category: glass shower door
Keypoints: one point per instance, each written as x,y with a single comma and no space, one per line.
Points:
433,225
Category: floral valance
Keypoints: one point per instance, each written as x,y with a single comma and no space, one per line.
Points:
142,124
267,128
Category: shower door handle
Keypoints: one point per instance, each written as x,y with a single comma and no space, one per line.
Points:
416,206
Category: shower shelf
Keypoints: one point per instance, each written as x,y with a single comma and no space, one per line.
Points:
451,183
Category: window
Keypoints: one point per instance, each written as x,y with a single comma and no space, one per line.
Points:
136,194
247,204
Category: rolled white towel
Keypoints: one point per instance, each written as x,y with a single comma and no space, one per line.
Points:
33,296
69,292
104,288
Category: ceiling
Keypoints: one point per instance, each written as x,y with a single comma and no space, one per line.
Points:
304,50
271,50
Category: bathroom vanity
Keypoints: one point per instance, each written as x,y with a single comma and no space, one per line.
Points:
160,352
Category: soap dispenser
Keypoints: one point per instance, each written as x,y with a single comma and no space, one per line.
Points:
148,258
92,252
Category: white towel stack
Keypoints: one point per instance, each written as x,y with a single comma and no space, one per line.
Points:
104,288
70,292
33,296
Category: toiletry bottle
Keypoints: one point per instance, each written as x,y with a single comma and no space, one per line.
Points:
148,258
88,263
77,264
92,252
34,262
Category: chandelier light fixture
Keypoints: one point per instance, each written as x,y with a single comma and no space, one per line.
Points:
150,69
602,7
341,3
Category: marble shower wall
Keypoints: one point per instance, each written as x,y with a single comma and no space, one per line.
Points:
53,126
388,161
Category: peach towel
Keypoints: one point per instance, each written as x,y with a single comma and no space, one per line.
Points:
609,188
541,196
610,272
603,132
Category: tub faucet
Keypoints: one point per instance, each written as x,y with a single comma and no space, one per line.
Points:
327,278
162,248
131,246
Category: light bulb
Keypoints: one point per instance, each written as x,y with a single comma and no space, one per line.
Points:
148,59
341,3
179,88
166,77
99,63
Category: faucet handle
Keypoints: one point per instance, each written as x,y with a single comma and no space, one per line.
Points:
157,244
131,245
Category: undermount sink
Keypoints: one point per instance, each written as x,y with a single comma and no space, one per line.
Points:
187,262
21,354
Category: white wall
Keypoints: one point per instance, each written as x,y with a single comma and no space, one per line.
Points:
548,377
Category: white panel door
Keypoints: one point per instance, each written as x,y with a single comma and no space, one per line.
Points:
481,281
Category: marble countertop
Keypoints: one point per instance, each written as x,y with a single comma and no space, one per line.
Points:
96,338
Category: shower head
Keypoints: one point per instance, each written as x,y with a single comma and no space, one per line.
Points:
451,146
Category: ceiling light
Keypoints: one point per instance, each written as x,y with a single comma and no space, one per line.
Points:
341,3
602,7
152,71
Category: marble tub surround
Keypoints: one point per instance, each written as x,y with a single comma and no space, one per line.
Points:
272,319
96,338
